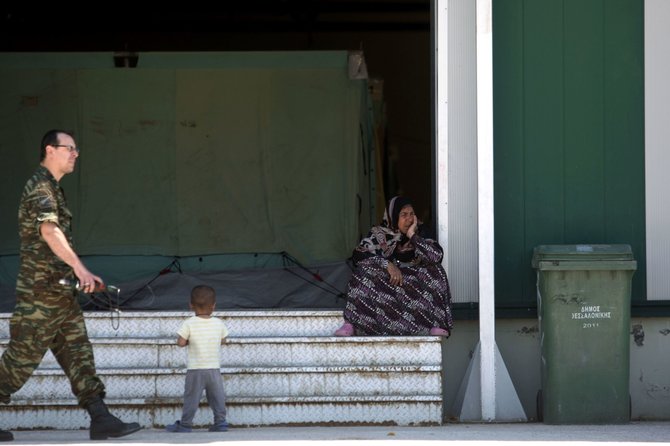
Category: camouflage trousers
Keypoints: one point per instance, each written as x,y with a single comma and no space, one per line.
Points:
49,321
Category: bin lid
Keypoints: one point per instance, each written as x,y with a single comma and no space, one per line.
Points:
595,253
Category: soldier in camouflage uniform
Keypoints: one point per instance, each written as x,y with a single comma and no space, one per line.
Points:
47,314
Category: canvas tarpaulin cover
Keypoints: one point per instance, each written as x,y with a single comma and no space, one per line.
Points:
192,154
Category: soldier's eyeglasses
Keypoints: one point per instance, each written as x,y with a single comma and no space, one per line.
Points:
68,147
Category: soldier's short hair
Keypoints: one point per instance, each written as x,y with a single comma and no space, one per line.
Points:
51,138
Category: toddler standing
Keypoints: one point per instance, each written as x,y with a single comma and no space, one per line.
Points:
204,335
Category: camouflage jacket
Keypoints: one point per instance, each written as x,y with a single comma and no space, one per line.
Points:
43,200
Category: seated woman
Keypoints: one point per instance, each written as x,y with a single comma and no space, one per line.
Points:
399,286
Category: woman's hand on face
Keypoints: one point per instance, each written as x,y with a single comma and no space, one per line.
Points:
395,274
412,229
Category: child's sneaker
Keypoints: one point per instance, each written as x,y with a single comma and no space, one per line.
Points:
221,427
177,427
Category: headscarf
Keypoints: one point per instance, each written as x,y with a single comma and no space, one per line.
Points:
392,211
382,239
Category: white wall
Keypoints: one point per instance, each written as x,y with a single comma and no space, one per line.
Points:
657,145
456,140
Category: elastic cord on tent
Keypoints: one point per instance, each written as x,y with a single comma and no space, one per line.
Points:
328,288
168,269
106,304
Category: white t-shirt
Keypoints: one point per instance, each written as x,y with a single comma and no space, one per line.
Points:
204,337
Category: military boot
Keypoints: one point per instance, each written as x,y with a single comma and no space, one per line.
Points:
104,424
6,435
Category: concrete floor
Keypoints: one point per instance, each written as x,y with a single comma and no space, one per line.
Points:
470,434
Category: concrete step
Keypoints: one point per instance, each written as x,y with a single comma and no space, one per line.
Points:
260,323
268,352
341,410
249,382
278,367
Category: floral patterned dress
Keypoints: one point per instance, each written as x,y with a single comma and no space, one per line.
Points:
421,302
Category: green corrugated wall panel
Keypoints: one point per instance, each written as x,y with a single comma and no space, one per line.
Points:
584,103
568,132
542,129
509,163
624,139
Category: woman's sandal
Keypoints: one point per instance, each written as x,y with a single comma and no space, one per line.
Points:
437,331
345,330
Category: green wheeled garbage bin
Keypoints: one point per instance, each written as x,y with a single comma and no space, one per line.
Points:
583,306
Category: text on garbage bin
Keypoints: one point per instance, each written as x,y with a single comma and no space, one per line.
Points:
592,312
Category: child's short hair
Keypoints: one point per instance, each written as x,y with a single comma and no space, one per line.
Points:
202,296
